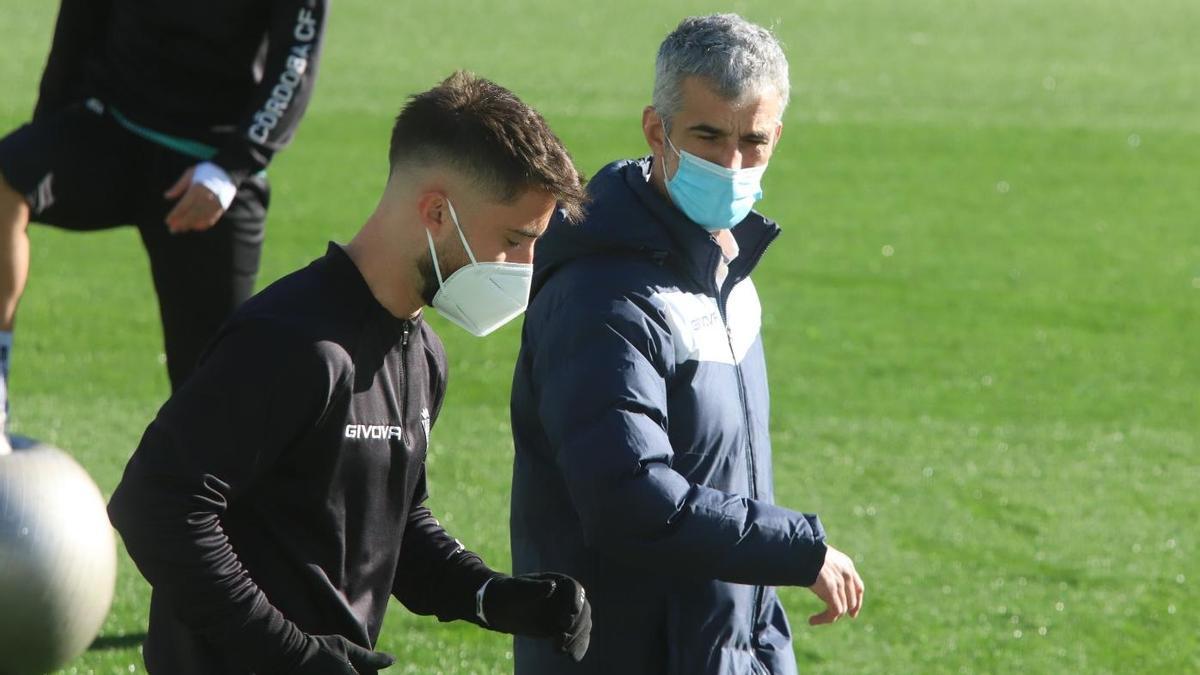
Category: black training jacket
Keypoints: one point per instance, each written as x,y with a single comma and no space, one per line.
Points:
234,74
281,490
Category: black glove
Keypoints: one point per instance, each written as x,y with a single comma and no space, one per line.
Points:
335,655
545,605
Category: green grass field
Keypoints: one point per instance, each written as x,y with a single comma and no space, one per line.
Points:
983,320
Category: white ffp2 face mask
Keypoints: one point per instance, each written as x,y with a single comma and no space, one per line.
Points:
480,296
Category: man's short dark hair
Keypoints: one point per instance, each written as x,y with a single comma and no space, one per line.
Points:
475,126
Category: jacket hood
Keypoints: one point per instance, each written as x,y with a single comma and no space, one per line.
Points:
626,216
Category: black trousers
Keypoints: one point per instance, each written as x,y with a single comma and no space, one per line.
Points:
79,169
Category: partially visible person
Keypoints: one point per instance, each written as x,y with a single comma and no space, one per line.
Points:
640,407
162,115
279,497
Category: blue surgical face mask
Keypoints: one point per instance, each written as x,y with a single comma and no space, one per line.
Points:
711,195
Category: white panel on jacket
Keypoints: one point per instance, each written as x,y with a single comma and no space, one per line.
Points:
697,329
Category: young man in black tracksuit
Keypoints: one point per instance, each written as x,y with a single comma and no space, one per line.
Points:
162,115
278,499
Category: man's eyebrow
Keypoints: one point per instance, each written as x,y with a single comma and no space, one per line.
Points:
528,232
708,129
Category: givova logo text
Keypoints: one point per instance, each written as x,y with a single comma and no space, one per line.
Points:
373,431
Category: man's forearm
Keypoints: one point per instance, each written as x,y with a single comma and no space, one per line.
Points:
656,519
171,529
290,71
436,574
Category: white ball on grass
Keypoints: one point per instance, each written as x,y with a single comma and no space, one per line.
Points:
58,561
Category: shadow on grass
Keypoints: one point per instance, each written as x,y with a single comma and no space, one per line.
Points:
109,642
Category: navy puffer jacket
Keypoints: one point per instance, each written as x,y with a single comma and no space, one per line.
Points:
643,458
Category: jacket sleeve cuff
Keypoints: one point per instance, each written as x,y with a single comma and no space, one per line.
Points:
463,586
240,159
815,559
267,642
479,595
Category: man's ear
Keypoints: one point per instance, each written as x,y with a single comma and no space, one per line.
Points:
653,130
433,211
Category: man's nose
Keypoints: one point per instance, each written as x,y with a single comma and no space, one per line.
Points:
523,254
731,157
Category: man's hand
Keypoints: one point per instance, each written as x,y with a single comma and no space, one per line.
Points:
335,655
839,587
545,605
199,209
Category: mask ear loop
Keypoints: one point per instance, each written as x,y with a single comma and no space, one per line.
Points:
437,269
461,236
678,155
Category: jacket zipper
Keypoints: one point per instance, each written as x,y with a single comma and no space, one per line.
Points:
402,388
756,606
722,298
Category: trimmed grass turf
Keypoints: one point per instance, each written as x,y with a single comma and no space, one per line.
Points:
981,319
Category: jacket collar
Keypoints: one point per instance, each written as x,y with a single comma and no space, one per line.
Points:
693,249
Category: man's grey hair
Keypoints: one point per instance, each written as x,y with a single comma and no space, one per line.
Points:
737,58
